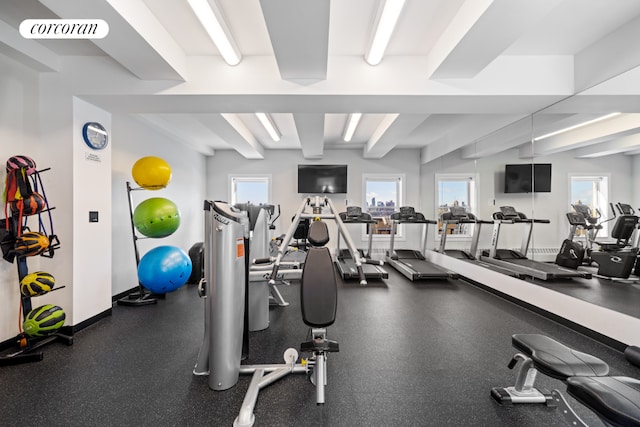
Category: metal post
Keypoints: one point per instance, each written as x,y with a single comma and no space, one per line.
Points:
526,238
287,238
495,235
141,296
226,298
355,254
202,364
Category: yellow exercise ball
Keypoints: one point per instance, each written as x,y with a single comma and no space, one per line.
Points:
151,173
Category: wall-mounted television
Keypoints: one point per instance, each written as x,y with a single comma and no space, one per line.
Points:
314,179
527,178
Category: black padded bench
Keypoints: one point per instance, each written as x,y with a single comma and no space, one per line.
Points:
616,400
319,301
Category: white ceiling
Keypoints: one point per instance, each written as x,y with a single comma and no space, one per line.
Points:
457,74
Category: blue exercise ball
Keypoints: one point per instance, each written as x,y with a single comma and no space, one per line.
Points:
164,269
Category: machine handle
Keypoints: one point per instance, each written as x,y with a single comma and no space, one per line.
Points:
202,293
542,221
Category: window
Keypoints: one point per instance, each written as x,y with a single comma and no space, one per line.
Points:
250,189
593,191
382,197
455,190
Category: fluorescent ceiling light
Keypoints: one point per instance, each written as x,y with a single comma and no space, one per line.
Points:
579,125
388,13
212,20
268,124
352,124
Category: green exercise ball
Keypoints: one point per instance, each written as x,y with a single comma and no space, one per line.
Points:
156,217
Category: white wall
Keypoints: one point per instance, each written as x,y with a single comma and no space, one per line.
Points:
91,283
132,140
282,165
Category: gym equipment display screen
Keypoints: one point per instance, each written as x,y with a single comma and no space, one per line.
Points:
313,179
520,179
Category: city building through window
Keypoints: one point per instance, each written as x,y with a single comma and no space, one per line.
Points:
383,195
455,190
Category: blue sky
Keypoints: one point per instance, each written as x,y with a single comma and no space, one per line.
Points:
254,192
383,191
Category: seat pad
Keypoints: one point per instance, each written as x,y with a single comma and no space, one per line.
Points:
556,360
615,399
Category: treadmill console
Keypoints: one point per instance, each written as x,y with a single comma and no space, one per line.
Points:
458,212
354,211
355,214
407,214
509,212
407,211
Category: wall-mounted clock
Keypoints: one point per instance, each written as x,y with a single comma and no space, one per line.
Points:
95,135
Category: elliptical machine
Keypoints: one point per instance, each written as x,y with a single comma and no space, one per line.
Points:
591,226
574,253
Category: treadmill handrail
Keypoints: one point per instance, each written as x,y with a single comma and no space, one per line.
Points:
522,221
460,221
359,221
414,221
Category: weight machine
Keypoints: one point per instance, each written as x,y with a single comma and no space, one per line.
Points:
225,337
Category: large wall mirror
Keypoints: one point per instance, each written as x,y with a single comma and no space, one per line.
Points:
592,143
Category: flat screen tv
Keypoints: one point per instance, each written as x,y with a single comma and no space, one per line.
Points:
314,179
527,178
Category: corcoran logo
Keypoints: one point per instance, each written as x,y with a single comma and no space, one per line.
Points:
64,29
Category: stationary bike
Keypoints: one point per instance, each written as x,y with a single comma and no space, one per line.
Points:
616,259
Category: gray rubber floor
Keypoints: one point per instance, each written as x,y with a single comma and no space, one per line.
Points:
411,354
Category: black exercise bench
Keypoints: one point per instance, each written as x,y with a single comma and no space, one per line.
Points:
615,399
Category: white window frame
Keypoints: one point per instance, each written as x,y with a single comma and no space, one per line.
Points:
234,178
473,200
604,210
400,179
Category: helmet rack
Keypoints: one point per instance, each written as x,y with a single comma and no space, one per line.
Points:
29,347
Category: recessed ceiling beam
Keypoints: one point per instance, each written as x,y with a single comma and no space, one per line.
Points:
480,32
392,129
613,146
27,52
299,33
136,39
310,128
231,129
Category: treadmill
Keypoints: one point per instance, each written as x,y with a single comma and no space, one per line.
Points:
458,215
344,261
411,263
517,261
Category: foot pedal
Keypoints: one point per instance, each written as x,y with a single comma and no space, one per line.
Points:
509,396
501,396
